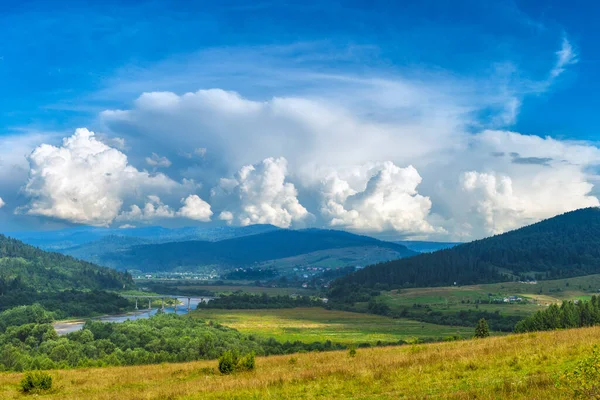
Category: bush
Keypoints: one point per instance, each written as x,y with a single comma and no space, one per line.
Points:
231,362
584,379
352,352
36,381
227,362
247,363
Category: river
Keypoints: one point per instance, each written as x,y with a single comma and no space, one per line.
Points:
64,327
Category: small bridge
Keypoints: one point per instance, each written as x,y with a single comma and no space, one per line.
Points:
151,297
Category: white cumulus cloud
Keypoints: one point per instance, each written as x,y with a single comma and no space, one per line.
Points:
383,198
262,195
84,180
153,209
195,208
2,203
504,204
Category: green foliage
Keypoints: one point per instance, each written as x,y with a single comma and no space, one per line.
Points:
482,330
25,315
162,338
247,362
25,267
564,246
568,315
29,275
231,362
69,303
496,321
36,381
228,362
241,301
352,352
583,380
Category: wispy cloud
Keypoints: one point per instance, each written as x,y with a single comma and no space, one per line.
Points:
565,56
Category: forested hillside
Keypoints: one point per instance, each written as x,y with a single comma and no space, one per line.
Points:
28,274
564,246
243,250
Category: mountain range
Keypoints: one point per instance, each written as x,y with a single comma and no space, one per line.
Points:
157,249
282,244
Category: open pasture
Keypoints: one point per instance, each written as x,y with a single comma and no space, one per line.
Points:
318,324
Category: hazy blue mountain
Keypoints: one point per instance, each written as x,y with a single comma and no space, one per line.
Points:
247,250
427,247
60,240
95,251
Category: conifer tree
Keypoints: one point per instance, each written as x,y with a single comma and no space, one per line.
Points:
482,330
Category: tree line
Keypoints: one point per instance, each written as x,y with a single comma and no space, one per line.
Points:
569,314
241,301
28,341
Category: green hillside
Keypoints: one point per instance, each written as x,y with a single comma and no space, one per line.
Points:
61,283
564,246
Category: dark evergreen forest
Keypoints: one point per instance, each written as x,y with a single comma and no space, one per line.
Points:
564,246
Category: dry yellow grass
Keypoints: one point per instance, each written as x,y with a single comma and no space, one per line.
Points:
510,367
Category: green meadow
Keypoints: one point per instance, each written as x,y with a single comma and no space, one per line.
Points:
318,324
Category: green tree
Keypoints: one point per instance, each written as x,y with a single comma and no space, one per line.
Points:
482,330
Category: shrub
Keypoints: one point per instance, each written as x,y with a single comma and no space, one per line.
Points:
231,362
352,352
482,330
584,379
36,381
227,362
247,363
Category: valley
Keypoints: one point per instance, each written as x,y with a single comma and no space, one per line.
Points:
281,293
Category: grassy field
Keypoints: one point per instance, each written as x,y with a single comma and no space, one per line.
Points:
457,298
318,324
510,367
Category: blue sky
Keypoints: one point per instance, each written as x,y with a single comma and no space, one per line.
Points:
414,68
59,53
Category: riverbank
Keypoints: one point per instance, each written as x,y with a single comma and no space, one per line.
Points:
181,308
66,326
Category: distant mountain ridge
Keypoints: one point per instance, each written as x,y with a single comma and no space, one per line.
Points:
563,246
242,251
77,237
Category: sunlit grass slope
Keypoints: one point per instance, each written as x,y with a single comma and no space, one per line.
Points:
509,367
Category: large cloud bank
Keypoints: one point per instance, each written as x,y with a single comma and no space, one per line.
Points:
392,158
